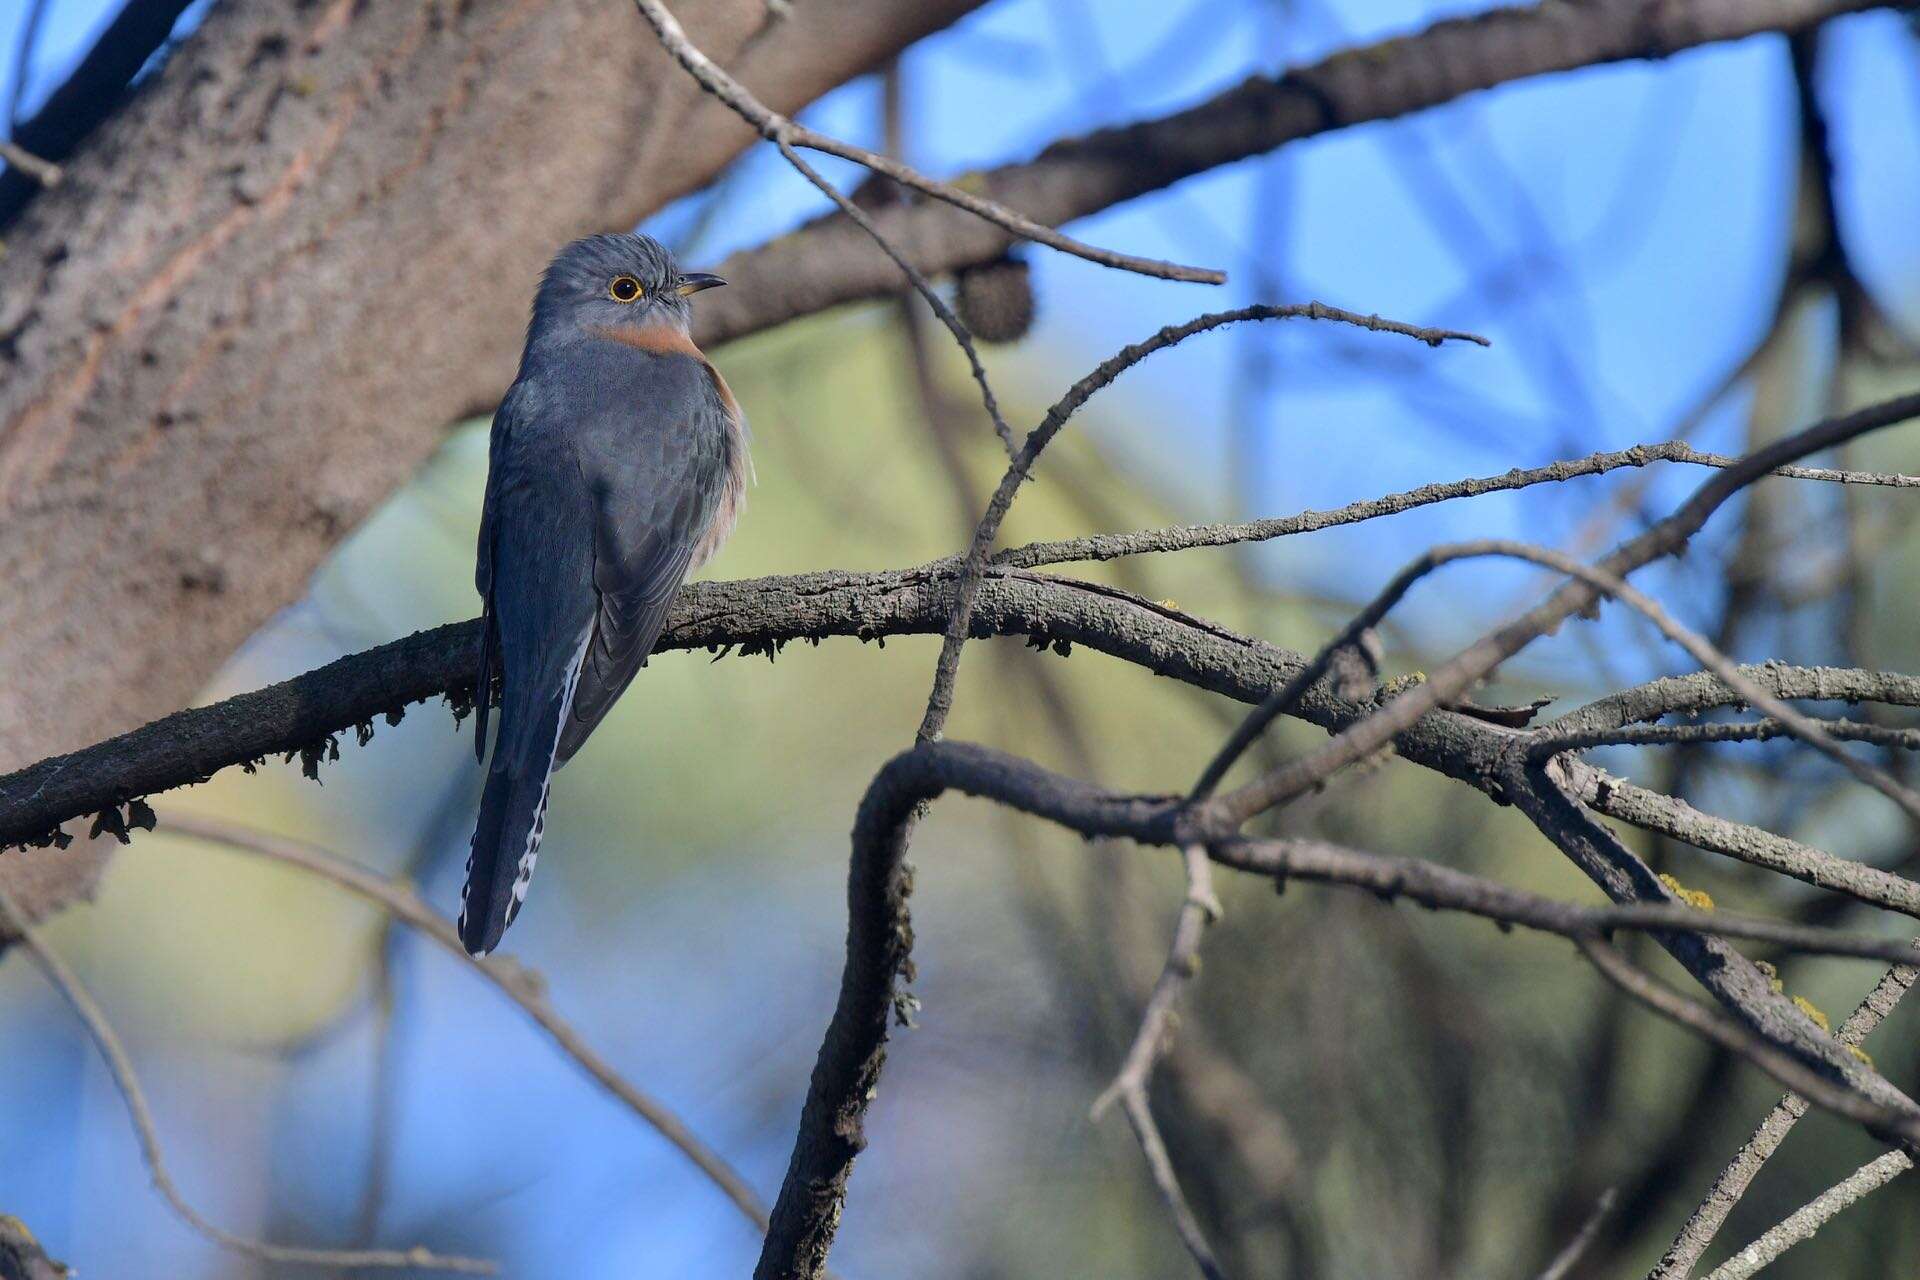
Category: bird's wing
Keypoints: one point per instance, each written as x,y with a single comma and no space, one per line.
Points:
656,477
512,406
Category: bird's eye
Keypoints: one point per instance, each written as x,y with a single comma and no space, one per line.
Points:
624,289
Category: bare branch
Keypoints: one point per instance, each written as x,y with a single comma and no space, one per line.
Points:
779,129
1701,692
854,1048
1075,177
784,133
919,282
1813,732
1440,887
1678,820
940,701
516,983
127,1082
1564,1261
1800,1227
1770,1057
1112,546
1200,909
302,718
1666,735
44,172
1459,673
1705,1222
1140,1115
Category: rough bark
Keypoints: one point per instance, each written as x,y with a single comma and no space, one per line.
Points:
275,275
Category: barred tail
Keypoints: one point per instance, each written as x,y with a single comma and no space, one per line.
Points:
506,844
513,809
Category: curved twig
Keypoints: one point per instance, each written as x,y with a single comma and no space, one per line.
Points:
853,1051
940,700
1765,1054
1473,663
513,981
120,1065
779,129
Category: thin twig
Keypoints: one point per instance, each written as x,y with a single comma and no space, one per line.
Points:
785,134
779,129
1683,1255
513,981
1477,660
1564,1261
120,1065
1140,1115
1112,546
1678,820
1075,177
1804,727
1768,1056
1442,888
1801,1225
1200,909
940,701
1667,735
920,285
44,172
1696,694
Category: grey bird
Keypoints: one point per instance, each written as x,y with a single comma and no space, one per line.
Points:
618,465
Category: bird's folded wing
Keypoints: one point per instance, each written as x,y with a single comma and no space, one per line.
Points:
636,593
511,408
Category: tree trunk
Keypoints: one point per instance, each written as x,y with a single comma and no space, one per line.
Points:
273,278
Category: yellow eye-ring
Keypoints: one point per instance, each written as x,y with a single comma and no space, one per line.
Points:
624,289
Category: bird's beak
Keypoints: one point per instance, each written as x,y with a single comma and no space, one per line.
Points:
694,281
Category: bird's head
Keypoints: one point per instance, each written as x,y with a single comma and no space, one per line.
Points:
616,282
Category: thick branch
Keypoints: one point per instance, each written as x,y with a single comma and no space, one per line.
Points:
827,263
300,716
303,717
854,1051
